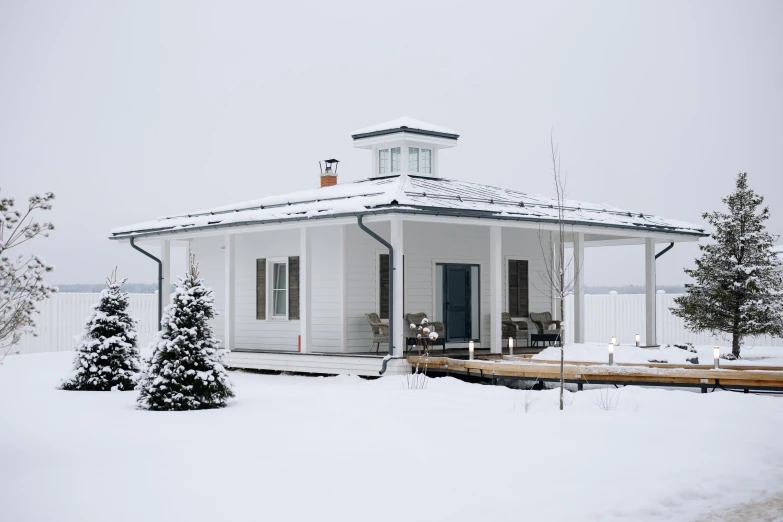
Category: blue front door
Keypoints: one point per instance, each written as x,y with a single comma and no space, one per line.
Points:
457,302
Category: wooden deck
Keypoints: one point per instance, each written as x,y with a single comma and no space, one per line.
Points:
742,378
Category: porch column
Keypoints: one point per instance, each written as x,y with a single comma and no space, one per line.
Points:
553,250
496,288
165,259
397,282
579,288
305,291
343,281
649,292
229,254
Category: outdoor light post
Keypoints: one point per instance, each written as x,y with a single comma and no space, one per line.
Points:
470,350
510,346
637,340
716,354
611,353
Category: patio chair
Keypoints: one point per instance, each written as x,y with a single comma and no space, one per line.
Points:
518,330
380,330
543,322
436,326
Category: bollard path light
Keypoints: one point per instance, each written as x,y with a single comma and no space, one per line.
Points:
637,340
510,346
470,350
614,340
611,353
716,355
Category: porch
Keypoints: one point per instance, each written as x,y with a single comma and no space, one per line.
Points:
337,272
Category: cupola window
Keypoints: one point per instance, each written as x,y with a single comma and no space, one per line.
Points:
419,160
388,164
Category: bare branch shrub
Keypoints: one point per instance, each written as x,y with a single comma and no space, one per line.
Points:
607,398
425,336
21,278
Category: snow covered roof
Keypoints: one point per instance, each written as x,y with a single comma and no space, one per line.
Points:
406,194
404,124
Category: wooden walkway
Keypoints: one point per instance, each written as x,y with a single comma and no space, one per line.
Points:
738,378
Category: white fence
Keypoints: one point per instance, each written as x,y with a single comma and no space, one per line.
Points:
63,317
623,315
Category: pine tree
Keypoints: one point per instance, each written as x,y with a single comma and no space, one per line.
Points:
186,370
107,357
738,287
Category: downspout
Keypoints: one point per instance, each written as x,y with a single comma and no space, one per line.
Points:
662,252
391,288
160,279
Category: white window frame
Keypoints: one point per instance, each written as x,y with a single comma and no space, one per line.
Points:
418,159
399,161
388,161
270,294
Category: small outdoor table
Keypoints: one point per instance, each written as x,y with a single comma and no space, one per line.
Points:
543,339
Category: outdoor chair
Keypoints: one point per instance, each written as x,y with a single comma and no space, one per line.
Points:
517,330
543,322
380,330
436,326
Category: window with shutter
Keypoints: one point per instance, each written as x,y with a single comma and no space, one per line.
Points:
518,292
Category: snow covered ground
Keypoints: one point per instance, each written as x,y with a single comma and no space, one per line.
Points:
345,449
597,352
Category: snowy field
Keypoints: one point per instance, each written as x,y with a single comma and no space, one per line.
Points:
346,449
598,352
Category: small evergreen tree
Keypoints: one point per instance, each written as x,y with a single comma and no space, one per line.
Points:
738,287
186,370
107,357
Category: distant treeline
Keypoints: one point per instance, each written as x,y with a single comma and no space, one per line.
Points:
151,288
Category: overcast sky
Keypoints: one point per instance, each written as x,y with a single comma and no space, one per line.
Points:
133,110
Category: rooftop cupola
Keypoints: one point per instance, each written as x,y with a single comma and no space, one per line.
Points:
404,146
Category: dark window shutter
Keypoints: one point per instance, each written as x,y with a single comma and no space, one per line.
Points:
518,292
293,287
383,293
524,291
513,288
261,289
385,284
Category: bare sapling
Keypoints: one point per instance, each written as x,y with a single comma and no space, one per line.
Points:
560,277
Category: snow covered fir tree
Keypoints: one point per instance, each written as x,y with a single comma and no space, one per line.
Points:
186,370
738,288
107,357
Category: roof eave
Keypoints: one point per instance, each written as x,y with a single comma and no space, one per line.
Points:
405,129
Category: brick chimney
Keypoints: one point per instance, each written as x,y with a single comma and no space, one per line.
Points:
329,173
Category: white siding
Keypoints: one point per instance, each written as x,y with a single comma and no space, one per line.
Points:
326,275
361,286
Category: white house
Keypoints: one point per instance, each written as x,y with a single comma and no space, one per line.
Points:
295,274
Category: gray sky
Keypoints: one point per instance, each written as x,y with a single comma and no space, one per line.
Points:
132,110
